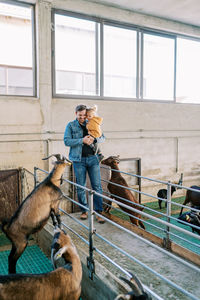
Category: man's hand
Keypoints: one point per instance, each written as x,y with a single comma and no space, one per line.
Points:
88,140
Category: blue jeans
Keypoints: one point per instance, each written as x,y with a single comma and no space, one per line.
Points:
89,164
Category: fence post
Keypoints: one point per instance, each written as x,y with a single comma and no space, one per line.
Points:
35,176
22,193
90,258
167,241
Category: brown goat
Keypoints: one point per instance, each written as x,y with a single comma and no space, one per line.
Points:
192,197
64,283
119,191
34,212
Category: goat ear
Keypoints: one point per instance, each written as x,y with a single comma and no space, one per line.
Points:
55,257
60,252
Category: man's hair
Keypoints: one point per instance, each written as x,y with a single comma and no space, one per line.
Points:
80,107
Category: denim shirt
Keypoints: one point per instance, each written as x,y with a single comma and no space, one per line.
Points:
73,138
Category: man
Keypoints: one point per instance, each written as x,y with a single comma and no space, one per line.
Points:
84,159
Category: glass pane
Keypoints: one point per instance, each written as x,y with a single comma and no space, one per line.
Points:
188,71
158,68
75,56
120,67
16,51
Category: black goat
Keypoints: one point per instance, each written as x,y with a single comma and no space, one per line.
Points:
163,192
192,197
34,212
64,283
192,218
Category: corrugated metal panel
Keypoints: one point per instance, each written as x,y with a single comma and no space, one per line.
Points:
9,192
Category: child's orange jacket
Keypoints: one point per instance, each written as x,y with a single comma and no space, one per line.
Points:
93,127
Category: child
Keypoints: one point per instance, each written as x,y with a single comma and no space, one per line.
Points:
93,126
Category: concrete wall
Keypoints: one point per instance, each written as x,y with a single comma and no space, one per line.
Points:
166,136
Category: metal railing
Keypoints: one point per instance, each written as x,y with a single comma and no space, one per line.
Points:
167,231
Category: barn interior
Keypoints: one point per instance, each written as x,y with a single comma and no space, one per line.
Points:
138,61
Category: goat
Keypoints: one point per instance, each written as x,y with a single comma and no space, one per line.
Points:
163,192
137,293
192,197
192,218
64,283
34,211
118,191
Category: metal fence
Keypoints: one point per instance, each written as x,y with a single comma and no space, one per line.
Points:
164,225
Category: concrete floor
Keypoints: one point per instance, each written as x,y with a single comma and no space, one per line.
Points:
173,270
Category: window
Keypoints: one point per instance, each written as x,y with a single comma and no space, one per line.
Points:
188,71
120,62
158,64
105,59
16,52
75,56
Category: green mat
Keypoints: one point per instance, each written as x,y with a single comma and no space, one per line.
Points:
154,205
33,260
186,244
3,239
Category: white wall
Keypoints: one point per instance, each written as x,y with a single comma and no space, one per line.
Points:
166,136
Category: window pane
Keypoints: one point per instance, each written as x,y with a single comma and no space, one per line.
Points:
158,68
16,50
188,71
75,56
120,52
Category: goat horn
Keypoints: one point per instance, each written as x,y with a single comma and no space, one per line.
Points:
58,157
135,284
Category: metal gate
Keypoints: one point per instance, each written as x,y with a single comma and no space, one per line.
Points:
132,165
9,192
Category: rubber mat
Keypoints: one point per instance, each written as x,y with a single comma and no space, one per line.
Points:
3,239
33,260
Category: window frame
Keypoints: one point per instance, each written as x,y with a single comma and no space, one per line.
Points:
140,31
34,57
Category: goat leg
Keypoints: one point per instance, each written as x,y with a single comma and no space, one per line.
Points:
54,220
184,203
108,205
160,203
14,255
58,220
